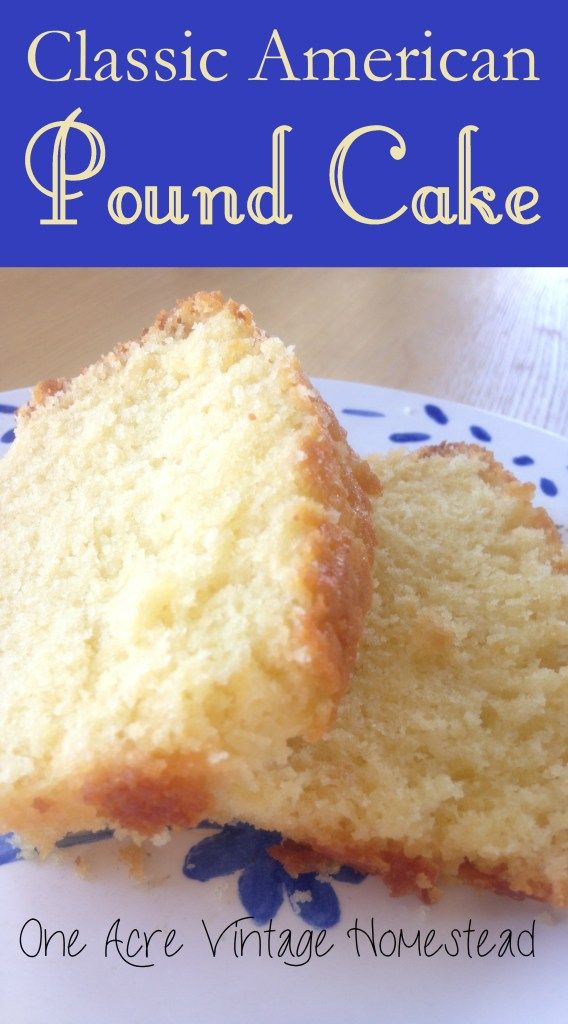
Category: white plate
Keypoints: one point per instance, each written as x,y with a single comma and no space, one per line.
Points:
193,986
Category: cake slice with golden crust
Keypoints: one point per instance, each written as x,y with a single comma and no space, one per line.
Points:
449,756
185,564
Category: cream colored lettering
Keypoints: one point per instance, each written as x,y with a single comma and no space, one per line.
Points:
427,54
83,76
375,57
204,65
149,204
281,55
231,204
133,62
431,204
441,195
107,72
116,204
188,54
331,55
485,72
174,213
127,204
510,58
468,196
444,65
167,64
60,173
403,56
336,172
275,191
316,64
32,56
515,206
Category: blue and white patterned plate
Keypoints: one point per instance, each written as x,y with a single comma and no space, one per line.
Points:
204,880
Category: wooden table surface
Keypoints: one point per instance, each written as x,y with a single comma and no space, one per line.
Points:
495,338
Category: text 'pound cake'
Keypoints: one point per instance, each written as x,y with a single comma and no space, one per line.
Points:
449,756
186,550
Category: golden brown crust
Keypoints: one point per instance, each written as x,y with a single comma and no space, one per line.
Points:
197,308
497,881
495,474
40,393
419,876
144,797
403,875
338,573
517,880
296,859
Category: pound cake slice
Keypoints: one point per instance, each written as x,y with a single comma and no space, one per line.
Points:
186,550
449,755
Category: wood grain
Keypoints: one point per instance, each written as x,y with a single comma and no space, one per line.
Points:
492,337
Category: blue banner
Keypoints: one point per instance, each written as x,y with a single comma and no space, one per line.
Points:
284,134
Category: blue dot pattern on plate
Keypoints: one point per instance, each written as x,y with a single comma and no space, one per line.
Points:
548,487
10,852
362,412
407,437
263,881
82,838
435,413
480,433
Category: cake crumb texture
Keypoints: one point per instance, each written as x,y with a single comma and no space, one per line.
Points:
448,760
186,549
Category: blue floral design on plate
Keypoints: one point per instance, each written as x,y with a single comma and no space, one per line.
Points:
8,850
264,882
